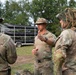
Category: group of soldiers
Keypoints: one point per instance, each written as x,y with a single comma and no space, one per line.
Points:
60,61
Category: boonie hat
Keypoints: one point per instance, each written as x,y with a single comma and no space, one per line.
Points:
60,16
41,21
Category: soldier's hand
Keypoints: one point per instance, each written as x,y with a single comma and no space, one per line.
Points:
34,52
41,38
63,67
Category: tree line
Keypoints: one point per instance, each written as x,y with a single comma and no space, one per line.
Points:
19,13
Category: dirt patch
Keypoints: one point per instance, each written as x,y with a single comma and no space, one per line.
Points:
24,59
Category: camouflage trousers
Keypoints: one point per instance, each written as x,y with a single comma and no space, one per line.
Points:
43,67
69,72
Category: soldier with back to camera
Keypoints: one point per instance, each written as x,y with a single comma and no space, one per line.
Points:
64,56
7,53
42,51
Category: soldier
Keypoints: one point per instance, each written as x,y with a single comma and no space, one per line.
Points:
64,57
7,54
42,51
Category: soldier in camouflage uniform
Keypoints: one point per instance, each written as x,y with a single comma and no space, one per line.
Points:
64,56
7,54
43,49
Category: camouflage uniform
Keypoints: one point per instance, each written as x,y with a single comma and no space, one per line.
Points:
65,50
7,54
43,62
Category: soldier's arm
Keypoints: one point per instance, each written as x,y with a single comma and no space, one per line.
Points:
50,40
59,54
11,55
58,59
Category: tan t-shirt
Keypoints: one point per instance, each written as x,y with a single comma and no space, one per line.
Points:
44,50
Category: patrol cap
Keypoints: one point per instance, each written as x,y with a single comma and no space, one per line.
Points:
41,21
61,16
1,20
68,15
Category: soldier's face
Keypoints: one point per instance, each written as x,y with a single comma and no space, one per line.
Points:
63,24
41,27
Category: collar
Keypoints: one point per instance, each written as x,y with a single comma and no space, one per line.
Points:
46,32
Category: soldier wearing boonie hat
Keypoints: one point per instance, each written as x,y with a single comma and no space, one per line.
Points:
41,21
42,51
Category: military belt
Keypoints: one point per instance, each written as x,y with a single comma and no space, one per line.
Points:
42,60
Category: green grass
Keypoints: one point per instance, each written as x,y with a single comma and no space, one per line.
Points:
23,51
21,67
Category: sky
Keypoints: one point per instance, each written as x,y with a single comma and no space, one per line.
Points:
3,1
15,0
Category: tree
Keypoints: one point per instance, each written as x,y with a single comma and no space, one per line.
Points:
20,12
14,13
0,9
72,3
48,9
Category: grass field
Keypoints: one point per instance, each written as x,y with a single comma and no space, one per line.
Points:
24,60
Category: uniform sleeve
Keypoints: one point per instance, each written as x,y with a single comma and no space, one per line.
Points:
59,55
65,40
10,51
52,37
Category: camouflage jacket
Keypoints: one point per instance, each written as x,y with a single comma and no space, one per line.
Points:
66,42
7,52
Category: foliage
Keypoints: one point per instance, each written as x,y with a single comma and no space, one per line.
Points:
48,9
19,12
15,13
72,3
